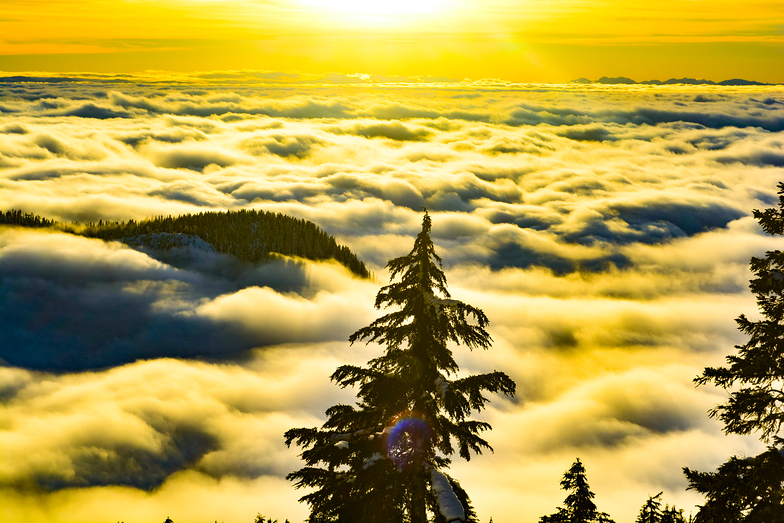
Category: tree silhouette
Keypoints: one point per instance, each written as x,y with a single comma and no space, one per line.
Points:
383,460
261,519
673,515
742,490
580,507
750,490
651,511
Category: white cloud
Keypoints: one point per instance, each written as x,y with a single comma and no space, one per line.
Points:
605,233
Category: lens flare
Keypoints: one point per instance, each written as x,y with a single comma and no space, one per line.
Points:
409,440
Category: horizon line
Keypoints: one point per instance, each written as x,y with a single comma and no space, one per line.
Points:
271,77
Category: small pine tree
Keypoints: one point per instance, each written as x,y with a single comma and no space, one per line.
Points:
672,515
580,507
383,459
651,511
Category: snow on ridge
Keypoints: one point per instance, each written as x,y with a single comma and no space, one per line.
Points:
168,240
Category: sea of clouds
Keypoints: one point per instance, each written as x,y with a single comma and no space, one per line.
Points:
605,231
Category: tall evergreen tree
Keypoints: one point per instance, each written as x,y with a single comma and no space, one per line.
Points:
580,507
383,459
750,490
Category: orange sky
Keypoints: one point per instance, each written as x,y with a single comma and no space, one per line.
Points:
524,41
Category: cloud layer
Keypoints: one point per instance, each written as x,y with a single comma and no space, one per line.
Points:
606,233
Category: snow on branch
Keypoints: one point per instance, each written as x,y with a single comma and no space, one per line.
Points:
371,460
448,504
442,386
439,303
346,436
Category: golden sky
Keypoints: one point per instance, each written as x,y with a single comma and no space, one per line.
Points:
522,41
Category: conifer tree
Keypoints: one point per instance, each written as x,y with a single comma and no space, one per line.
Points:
383,459
674,515
651,511
580,507
750,490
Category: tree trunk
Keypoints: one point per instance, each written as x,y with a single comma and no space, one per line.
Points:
417,501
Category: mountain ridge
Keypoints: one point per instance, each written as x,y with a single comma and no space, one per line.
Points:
249,235
672,81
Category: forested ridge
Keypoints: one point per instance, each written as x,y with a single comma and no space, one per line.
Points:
25,219
249,235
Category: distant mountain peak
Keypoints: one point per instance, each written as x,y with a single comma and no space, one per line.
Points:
616,80
671,81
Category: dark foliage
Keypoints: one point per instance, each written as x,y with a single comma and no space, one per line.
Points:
381,460
742,490
24,219
652,512
261,519
750,490
580,507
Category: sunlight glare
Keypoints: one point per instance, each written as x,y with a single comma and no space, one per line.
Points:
378,12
